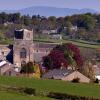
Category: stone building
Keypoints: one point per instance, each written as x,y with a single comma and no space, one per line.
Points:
24,49
65,75
7,69
4,51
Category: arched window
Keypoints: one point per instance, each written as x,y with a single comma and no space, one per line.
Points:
23,53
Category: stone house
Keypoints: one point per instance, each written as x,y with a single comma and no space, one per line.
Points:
74,75
7,69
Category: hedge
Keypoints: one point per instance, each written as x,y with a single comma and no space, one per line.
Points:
63,96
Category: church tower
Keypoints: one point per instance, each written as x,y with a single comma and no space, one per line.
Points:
23,47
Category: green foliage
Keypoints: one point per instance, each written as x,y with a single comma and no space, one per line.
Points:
52,22
29,91
88,22
63,96
26,20
48,62
27,68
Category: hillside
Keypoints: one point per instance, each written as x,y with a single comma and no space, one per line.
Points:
14,96
50,11
46,86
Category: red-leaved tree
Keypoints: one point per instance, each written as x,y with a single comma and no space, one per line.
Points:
68,54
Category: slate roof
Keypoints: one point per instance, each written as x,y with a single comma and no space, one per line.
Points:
2,63
57,73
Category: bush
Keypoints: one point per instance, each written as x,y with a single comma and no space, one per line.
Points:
29,91
96,81
26,90
76,80
63,96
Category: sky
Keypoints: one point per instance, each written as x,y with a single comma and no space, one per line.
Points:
78,4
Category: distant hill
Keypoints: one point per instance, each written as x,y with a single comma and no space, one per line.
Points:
50,11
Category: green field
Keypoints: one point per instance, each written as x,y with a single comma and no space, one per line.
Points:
14,96
79,43
46,86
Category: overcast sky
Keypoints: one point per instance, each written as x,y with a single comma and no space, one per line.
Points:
78,4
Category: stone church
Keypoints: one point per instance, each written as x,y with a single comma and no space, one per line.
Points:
24,49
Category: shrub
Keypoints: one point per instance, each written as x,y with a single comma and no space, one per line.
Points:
29,91
57,95
63,96
96,81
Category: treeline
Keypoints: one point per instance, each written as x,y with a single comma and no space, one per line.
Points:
87,21
88,24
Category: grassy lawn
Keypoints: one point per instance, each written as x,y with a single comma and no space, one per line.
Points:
15,96
6,41
89,90
78,43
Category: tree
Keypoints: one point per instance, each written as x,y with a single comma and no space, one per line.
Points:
52,22
28,68
3,17
81,33
37,71
88,70
86,21
35,20
16,18
47,62
26,20
89,22
60,22
68,24
68,54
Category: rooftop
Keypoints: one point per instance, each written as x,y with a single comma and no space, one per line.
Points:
57,73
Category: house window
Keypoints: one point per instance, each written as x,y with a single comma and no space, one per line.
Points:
23,53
